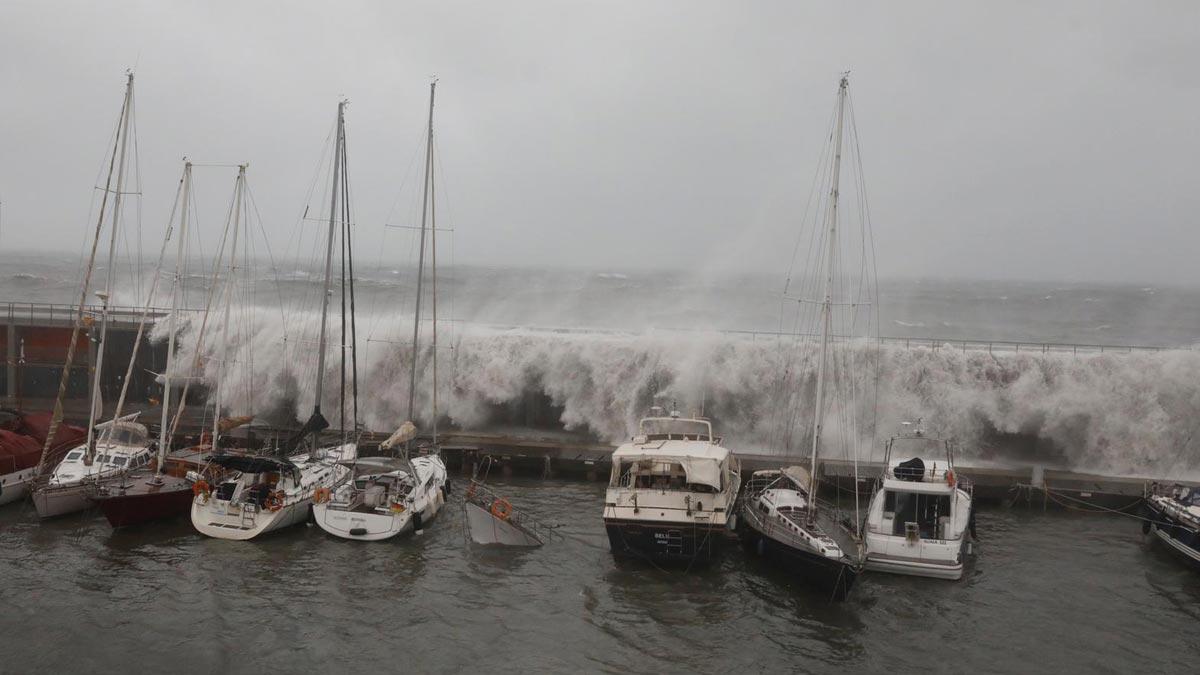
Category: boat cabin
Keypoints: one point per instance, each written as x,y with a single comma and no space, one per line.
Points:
919,495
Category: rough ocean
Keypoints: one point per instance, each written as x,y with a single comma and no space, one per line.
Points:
590,351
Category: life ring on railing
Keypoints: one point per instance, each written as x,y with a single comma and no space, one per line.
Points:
274,500
201,489
502,509
321,495
949,478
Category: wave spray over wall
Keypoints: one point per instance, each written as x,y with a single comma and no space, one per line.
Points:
1116,413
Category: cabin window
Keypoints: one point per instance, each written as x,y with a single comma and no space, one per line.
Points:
75,456
924,510
119,461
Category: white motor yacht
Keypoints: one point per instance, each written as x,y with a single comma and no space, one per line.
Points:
920,521
671,492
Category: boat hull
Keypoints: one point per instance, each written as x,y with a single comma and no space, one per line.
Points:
372,526
665,542
146,502
15,486
488,530
1180,537
246,524
54,501
950,570
833,575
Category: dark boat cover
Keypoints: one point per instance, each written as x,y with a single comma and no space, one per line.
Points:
913,469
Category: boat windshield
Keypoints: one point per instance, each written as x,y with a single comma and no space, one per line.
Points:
675,429
125,435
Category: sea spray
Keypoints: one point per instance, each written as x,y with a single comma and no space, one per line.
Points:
1121,413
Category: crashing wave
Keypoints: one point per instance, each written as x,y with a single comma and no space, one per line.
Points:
1116,413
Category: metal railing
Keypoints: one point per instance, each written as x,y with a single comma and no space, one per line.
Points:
33,312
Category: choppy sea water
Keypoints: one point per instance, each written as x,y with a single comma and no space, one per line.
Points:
1048,592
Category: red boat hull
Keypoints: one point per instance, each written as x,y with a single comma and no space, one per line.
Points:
145,503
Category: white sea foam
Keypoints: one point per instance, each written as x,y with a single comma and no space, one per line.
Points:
1122,413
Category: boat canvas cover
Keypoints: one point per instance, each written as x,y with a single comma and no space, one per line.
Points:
23,434
701,461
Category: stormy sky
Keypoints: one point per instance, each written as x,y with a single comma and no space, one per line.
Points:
1007,140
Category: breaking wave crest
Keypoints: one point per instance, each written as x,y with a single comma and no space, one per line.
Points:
1122,413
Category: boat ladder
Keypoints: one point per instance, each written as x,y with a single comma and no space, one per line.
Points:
249,512
675,542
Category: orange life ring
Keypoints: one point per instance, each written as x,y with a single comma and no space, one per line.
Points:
502,509
201,487
275,500
321,495
950,478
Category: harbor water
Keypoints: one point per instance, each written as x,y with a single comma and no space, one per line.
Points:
1056,591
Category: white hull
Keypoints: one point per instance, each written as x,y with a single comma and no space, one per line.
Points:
372,526
242,520
15,486
53,501
487,529
949,570
241,524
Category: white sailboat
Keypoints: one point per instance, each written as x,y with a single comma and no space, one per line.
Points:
920,522
397,499
781,517
122,443
261,494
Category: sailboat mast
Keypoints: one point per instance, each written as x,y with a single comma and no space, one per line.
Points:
433,280
412,380
329,256
827,304
231,279
57,415
175,287
108,286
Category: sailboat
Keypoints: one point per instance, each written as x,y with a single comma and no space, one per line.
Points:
123,443
264,493
164,489
397,495
781,517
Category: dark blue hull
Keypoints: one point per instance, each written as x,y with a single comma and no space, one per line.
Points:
665,543
833,576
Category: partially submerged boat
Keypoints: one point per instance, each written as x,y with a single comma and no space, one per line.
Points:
920,521
492,520
671,492
1173,516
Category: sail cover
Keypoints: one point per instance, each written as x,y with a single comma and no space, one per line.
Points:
405,433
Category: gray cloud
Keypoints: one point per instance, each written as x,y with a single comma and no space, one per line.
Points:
1027,140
